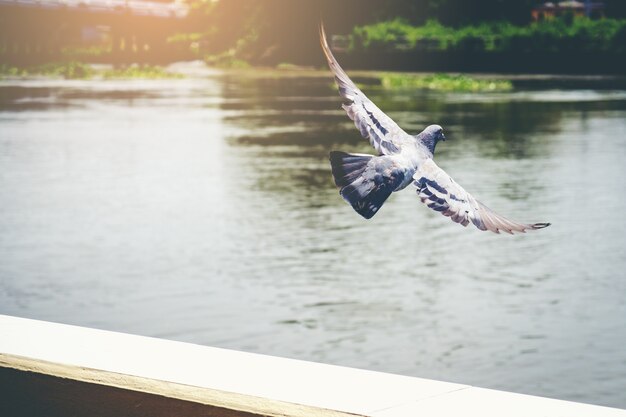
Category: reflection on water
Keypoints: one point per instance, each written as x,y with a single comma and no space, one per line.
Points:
203,210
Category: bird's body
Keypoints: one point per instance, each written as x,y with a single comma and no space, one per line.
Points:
366,181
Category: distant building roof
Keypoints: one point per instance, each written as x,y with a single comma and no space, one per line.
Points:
571,4
551,9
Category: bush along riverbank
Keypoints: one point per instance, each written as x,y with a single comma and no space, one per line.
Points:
74,70
443,82
576,45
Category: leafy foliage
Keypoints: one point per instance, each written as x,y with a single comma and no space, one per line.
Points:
443,82
79,70
550,36
68,70
139,72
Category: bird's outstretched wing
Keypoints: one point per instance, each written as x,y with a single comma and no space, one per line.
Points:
383,133
439,192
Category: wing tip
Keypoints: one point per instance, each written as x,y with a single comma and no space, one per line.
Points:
538,226
324,41
330,58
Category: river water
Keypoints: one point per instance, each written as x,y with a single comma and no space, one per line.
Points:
203,210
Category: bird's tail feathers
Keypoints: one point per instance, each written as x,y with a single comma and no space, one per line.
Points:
347,167
364,195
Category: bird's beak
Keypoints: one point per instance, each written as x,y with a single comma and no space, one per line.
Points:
443,137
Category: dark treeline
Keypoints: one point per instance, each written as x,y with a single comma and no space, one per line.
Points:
274,31
466,12
260,32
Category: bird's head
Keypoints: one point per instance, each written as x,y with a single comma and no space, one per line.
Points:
436,131
431,136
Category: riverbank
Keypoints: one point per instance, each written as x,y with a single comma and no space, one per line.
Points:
386,80
79,70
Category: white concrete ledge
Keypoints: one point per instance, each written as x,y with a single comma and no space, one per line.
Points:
249,383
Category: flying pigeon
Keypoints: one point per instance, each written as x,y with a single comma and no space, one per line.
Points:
365,181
